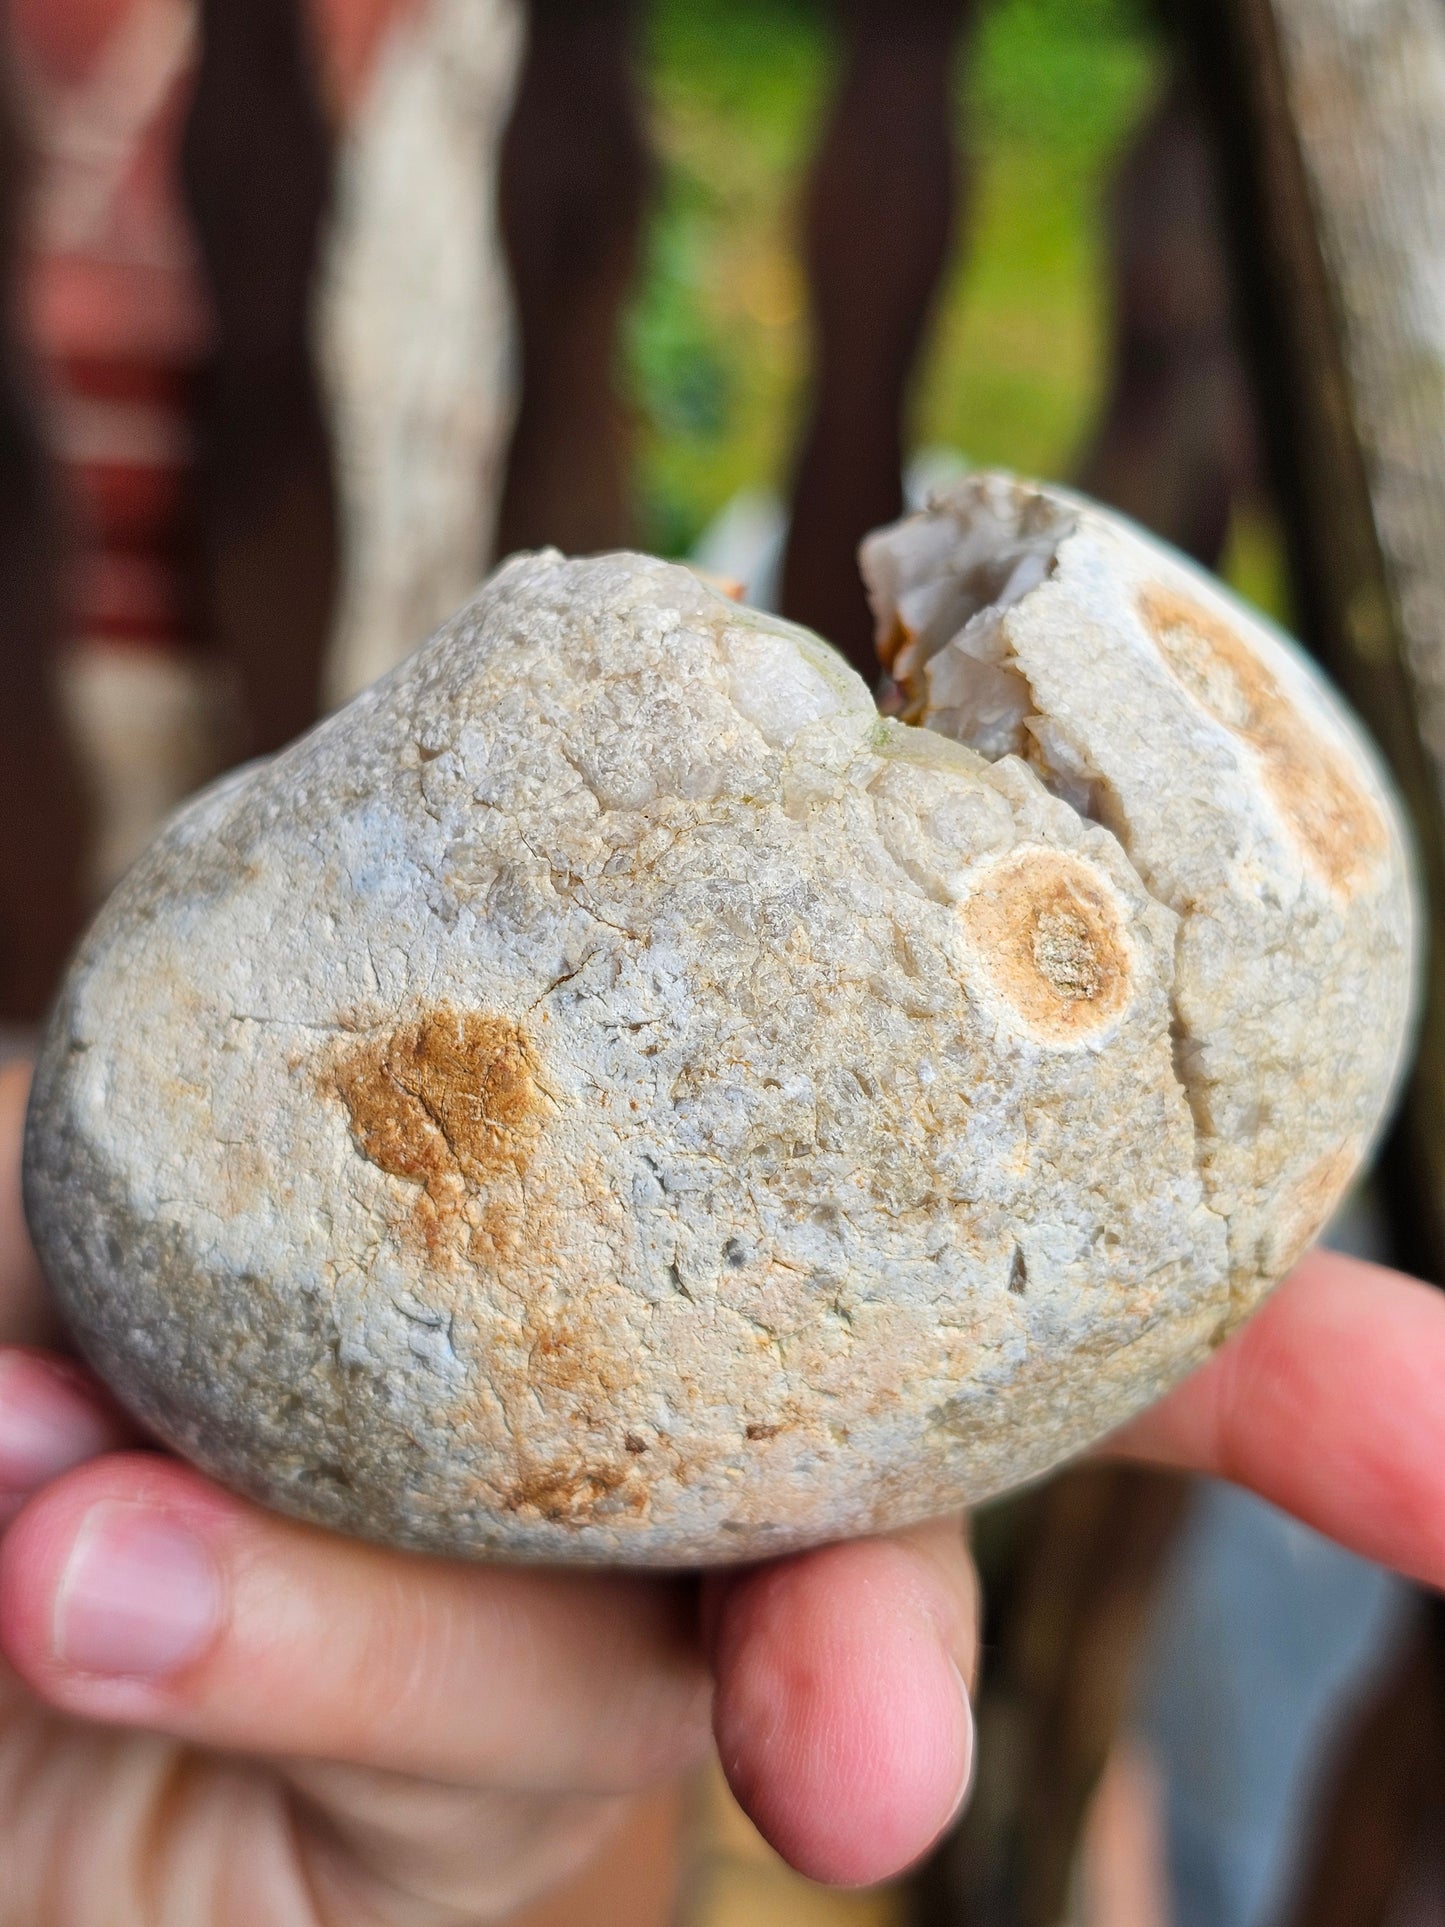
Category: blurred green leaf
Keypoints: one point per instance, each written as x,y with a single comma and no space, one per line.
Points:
717,338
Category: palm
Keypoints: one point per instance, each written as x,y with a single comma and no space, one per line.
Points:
101,1825
106,1813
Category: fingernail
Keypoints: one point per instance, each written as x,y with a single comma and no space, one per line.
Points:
140,1598
45,1427
965,1785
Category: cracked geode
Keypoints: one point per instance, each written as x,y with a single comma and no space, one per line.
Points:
608,1095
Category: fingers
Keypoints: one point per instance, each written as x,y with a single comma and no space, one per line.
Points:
841,1713
52,1417
1331,1403
131,1590
26,1316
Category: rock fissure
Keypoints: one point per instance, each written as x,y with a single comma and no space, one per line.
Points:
969,684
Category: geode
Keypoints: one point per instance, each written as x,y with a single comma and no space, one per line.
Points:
609,1094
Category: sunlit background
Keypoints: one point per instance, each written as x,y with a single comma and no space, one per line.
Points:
1048,92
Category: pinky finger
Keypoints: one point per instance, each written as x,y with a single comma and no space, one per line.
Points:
52,1417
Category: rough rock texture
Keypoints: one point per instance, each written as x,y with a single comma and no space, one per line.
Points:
1245,795
607,1094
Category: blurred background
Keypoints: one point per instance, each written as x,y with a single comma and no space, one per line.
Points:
313,307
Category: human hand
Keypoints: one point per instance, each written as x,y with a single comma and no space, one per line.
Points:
356,1733
217,1714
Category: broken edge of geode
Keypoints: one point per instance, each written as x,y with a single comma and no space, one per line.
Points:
1027,622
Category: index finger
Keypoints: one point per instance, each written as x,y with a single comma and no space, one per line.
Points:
1330,1403
132,1591
26,1314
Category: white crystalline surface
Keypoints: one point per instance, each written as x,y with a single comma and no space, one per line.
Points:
608,1095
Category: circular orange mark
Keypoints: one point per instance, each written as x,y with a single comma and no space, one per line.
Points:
449,1096
1050,936
1337,825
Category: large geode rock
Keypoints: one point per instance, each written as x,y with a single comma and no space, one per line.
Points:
608,1095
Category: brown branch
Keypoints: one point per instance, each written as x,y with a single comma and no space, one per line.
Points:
43,818
1386,1787
1325,121
257,168
574,179
1175,445
880,212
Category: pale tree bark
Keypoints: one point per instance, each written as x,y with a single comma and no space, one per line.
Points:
415,328
1332,118
1365,83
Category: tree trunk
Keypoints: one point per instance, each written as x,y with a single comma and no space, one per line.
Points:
1382,1794
1331,122
879,218
43,818
575,177
257,168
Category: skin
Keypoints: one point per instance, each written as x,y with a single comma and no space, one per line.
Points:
369,1736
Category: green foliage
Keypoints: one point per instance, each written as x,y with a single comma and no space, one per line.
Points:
756,60
1053,75
1051,95
717,343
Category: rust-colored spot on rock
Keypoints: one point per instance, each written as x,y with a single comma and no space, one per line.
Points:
908,700
578,1494
448,1100
577,1354
498,1234
1066,953
1337,825
1050,937
1305,1208
894,641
